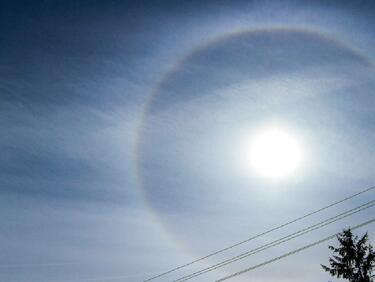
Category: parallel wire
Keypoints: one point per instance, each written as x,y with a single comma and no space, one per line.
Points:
291,253
279,241
261,234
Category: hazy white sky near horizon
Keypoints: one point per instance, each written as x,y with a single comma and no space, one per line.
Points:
75,79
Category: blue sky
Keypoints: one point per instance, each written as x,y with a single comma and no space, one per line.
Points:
125,127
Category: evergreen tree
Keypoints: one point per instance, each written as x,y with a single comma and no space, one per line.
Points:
353,259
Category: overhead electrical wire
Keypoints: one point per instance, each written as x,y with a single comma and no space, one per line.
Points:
279,241
261,234
291,252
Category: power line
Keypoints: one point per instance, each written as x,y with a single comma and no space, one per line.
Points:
279,241
261,234
290,253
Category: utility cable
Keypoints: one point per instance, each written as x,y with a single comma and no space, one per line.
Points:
280,241
262,234
291,253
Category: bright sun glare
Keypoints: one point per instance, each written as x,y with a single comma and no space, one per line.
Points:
274,153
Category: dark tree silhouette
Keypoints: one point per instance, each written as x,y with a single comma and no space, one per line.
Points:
353,259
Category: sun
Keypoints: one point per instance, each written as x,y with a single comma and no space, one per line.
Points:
274,153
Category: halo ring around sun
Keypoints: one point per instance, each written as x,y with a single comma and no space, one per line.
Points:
155,94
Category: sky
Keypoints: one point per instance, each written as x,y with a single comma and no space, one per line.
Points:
126,128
